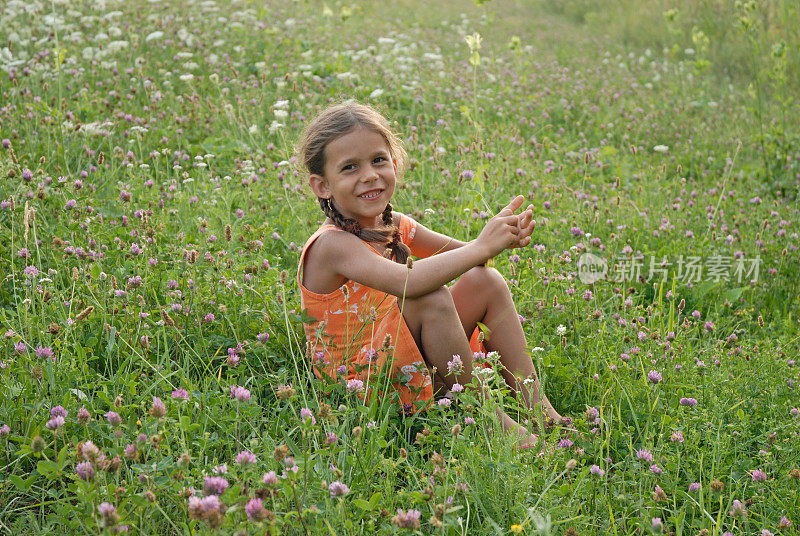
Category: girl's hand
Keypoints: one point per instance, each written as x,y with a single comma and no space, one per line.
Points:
507,230
526,226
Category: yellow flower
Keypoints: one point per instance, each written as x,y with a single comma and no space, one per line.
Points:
516,529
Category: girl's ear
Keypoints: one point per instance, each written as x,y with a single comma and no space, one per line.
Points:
319,186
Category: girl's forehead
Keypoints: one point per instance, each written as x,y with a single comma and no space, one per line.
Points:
355,142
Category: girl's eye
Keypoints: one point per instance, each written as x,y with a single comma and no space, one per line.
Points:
348,167
380,159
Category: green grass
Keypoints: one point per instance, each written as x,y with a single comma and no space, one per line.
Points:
563,106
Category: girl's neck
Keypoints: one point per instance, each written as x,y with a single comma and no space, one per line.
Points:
378,223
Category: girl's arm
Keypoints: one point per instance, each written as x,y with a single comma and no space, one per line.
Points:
427,242
351,258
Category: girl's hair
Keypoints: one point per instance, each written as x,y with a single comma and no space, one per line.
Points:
332,123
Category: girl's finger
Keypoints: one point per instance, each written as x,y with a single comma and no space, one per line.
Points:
512,206
508,220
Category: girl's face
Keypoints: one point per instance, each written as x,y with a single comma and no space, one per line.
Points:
359,176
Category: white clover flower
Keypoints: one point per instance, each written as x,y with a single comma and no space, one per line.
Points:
281,104
274,126
186,77
376,93
561,329
253,129
661,148
281,114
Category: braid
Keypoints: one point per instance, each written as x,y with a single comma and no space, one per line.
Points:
389,235
349,225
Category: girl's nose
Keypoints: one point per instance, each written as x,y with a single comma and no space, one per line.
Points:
370,174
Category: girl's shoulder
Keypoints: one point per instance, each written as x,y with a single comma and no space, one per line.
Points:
406,225
316,275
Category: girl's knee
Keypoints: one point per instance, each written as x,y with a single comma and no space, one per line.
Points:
433,301
482,278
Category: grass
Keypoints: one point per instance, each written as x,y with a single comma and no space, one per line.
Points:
150,232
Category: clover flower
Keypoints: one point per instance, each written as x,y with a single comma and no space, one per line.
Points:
85,470
338,489
355,386
158,409
214,485
245,458
306,416
407,520
255,510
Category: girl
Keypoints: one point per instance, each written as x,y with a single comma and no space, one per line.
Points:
355,281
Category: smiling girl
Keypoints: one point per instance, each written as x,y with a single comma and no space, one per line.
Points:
356,282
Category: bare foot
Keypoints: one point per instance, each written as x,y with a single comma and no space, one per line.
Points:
525,439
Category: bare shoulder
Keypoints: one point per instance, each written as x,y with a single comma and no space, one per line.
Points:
321,273
317,273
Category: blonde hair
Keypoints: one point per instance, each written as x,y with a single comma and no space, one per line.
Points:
332,123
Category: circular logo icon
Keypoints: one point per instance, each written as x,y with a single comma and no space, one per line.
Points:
591,268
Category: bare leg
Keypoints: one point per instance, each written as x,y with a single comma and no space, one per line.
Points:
435,325
482,295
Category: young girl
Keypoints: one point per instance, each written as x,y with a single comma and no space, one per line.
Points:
355,280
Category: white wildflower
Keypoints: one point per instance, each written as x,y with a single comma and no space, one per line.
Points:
661,148
116,46
152,36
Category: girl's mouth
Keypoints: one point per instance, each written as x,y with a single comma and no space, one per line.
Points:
372,194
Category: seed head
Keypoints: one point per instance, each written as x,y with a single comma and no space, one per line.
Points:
85,313
38,444
168,321
571,464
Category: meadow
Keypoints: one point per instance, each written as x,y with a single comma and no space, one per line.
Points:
152,358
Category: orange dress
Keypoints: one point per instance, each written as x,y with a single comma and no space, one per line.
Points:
350,328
